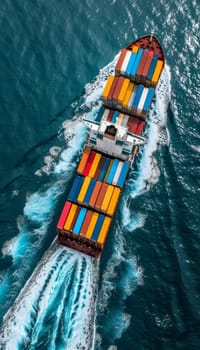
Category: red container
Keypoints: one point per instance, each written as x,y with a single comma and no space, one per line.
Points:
132,124
118,88
63,215
140,128
110,115
89,163
121,60
114,84
99,168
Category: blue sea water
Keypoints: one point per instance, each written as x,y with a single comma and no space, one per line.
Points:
144,292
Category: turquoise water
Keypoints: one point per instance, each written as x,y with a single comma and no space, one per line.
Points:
144,293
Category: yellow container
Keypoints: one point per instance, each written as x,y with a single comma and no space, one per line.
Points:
104,230
70,217
128,94
108,87
135,49
123,90
120,118
94,164
84,188
114,201
92,225
157,71
108,170
107,198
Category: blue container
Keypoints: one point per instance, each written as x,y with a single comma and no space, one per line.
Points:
89,191
114,117
123,174
137,62
112,171
79,221
99,115
98,227
148,100
131,63
76,185
137,96
152,67
104,169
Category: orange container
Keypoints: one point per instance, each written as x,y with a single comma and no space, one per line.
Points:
107,87
86,223
104,230
83,161
121,59
118,88
95,194
110,96
92,224
101,196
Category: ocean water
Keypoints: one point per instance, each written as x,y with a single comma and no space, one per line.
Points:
143,294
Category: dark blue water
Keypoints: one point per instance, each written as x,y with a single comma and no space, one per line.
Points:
55,57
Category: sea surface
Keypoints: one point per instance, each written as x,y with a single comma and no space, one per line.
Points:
144,293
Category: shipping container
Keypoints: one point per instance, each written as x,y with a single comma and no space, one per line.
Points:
89,191
104,230
70,217
105,114
107,197
142,99
121,60
120,119
95,194
108,170
115,117
123,90
75,218
124,121
63,215
152,67
99,168
112,171
114,84
141,65
147,66
84,189
89,163
125,62
132,124
95,164
117,173
132,97
86,222
83,160
100,114
104,169
135,49
98,227
109,118
92,225
114,201
137,62
76,186
157,71
108,87
101,196
123,174
137,96
118,88
149,97
140,128
130,64
79,221
128,94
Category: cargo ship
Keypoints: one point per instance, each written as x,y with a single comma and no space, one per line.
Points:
111,146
